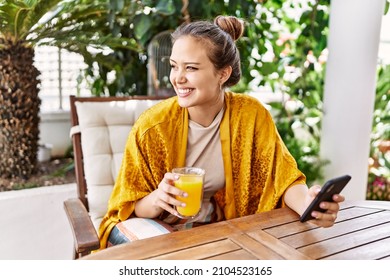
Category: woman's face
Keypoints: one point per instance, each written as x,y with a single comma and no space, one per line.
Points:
193,76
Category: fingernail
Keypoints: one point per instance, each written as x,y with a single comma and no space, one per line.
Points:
183,205
184,194
176,177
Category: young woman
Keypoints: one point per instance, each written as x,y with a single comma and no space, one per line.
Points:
231,136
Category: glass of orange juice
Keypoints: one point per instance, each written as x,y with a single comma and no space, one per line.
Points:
191,181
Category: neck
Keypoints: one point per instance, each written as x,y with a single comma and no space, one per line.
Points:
205,115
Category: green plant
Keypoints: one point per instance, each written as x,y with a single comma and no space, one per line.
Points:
278,51
291,59
284,48
22,186
61,172
24,24
379,165
141,21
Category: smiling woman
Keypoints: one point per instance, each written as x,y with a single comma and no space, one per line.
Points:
231,136
196,82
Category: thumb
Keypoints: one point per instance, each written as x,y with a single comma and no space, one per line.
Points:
314,190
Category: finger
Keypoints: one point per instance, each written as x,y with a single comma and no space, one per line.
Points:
329,217
167,207
169,178
166,194
330,207
324,221
171,190
167,202
314,190
167,185
338,198
311,194
321,223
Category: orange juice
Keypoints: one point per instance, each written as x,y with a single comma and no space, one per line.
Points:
193,186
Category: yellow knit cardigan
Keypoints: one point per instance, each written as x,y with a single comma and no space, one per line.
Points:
258,167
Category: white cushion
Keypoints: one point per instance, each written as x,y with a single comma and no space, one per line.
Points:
104,128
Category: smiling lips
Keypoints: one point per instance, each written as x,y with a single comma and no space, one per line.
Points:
184,92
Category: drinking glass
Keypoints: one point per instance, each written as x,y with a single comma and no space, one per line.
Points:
191,181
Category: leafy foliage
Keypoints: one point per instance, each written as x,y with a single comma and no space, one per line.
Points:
283,48
113,36
379,168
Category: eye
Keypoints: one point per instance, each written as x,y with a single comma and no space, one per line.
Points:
191,68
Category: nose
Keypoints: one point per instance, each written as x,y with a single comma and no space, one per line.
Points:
178,76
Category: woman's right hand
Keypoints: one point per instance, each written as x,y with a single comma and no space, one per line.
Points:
163,198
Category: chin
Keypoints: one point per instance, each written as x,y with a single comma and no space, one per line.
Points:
183,103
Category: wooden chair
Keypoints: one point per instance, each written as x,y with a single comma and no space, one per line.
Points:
100,127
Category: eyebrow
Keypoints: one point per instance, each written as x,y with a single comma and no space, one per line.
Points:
197,63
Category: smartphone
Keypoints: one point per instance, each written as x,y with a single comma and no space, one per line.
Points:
331,187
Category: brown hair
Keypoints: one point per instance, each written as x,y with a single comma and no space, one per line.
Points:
219,37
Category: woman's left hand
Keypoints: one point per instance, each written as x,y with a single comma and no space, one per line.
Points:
327,218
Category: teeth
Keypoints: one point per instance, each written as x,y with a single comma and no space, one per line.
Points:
183,90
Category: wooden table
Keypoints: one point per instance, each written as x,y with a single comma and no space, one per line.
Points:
361,231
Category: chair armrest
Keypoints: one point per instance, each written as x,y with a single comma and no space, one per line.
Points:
84,233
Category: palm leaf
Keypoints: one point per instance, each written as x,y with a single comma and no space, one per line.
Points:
8,14
37,11
78,24
12,17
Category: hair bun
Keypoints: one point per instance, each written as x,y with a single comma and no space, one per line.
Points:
231,25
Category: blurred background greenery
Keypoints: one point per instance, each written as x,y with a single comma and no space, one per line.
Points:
283,50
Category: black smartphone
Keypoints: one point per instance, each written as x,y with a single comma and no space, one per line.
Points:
331,187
